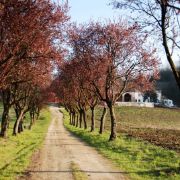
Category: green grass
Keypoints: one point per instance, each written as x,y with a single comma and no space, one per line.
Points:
139,159
77,173
16,151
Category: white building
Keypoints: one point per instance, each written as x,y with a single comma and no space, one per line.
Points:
136,98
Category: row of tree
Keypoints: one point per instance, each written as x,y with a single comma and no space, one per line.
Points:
28,30
105,60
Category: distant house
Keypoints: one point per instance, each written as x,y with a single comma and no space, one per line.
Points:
137,98
132,97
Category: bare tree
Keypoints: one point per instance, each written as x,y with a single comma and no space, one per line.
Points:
162,18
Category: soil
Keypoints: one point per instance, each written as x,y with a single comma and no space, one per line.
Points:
166,138
61,149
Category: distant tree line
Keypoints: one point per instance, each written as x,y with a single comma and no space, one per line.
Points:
167,84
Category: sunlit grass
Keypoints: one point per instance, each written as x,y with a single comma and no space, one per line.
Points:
139,159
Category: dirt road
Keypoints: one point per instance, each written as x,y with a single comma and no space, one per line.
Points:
61,149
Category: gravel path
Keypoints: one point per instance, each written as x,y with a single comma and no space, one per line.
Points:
60,149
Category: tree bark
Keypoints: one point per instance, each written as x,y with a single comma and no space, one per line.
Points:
16,111
102,121
5,121
32,115
16,125
20,127
92,119
84,119
113,123
77,120
80,118
74,119
6,95
70,120
165,44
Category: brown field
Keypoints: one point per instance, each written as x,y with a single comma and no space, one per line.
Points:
159,126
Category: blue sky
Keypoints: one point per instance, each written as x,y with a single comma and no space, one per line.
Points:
85,10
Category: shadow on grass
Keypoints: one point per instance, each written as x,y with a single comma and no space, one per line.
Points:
28,147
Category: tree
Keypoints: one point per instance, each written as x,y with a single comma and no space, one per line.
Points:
28,31
114,59
129,64
73,90
161,17
20,92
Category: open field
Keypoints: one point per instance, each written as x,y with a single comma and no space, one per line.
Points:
138,159
156,125
16,151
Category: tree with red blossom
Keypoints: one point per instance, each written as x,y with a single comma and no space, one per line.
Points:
29,30
116,59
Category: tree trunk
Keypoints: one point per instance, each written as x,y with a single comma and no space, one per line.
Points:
102,121
113,123
92,119
5,121
77,120
70,120
175,71
80,118
37,112
32,116
74,119
16,125
16,111
84,119
6,96
20,127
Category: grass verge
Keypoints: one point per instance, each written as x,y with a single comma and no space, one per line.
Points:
16,151
139,159
77,173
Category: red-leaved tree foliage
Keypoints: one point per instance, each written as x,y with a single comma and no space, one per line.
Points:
28,29
29,33
107,60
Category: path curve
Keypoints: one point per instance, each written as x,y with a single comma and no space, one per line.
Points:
60,149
